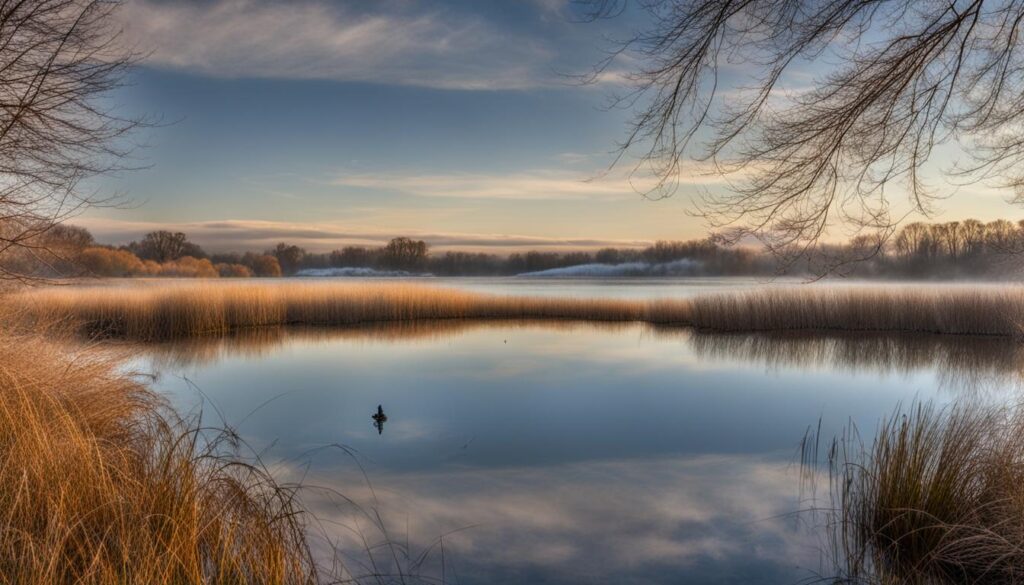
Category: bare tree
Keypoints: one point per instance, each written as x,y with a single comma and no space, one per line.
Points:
405,254
895,79
164,246
289,257
58,60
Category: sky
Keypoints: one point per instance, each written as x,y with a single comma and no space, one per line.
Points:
328,123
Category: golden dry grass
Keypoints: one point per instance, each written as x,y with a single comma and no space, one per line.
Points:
100,483
954,309
181,310
938,498
186,310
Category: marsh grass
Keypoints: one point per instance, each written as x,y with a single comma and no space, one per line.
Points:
161,313
176,311
944,309
937,498
101,483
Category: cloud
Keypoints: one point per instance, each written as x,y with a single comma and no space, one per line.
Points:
540,184
241,235
312,39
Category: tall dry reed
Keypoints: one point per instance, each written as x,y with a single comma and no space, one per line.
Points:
100,483
181,310
938,498
954,309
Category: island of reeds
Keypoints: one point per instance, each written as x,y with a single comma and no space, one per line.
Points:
191,308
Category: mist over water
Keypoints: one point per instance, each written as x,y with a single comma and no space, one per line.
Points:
684,267
354,272
677,268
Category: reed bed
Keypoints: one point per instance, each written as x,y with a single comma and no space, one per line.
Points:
186,310
937,499
101,483
179,311
954,310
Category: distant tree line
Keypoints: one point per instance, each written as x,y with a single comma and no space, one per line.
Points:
413,256
72,251
968,248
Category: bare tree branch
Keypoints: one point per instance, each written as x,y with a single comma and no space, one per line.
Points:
58,61
902,78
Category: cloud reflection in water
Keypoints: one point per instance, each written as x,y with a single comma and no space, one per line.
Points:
575,452
704,518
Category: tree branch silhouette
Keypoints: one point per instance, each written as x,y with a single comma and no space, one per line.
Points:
903,78
58,61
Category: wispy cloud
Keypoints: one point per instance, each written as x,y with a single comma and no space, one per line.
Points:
313,39
240,235
540,184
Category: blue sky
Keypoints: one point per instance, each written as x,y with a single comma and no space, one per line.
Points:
328,123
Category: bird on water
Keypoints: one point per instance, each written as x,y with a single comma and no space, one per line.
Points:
379,419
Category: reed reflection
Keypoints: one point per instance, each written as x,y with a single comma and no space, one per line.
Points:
260,342
959,361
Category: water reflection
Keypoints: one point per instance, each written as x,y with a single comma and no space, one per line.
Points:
709,518
960,362
565,452
259,342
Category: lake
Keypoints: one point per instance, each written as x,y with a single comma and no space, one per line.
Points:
520,452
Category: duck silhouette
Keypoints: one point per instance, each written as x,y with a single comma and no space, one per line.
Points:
379,418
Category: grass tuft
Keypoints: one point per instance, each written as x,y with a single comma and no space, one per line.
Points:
100,483
938,498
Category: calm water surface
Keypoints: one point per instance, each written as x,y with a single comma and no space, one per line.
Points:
533,453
